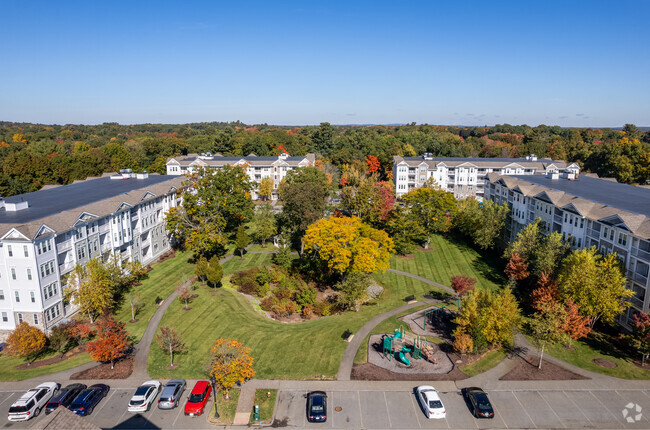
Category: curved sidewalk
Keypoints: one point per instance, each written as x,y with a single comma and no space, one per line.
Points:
425,280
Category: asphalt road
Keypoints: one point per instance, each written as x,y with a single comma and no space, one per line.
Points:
399,409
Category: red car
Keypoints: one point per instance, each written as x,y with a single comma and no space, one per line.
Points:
197,399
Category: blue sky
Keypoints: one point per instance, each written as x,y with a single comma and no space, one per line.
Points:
570,63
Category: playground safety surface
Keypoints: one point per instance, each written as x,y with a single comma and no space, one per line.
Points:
420,366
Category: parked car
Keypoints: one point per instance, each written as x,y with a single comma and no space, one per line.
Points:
32,402
478,402
197,399
430,401
85,402
64,397
317,407
144,396
171,394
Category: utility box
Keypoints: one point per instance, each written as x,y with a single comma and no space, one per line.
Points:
256,413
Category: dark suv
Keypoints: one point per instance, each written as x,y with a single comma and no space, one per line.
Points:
64,397
317,407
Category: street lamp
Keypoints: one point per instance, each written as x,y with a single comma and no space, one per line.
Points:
214,391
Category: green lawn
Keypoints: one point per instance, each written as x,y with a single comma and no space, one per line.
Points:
309,350
10,373
265,399
450,258
487,362
226,408
160,282
594,346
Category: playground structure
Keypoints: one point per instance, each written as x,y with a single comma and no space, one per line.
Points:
402,343
435,314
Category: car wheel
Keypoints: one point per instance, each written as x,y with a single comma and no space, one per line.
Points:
37,412
90,411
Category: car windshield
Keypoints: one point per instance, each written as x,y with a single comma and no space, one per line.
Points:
141,391
482,402
196,398
435,404
53,405
136,402
18,409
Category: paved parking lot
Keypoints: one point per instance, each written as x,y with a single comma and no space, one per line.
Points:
397,410
514,409
111,413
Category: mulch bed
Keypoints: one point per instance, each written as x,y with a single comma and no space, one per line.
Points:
135,320
166,256
526,370
603,362
370,372
171,366
53,360
187,309
407,256
123,369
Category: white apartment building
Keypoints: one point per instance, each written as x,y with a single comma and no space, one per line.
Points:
44,234
465,176
256,167
587,211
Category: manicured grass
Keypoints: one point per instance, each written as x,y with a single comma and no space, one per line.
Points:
160,282
487,362
597,345
450,258
308,350
265,399
237,264
226,408
10,373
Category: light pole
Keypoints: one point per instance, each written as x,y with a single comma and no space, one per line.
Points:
214,392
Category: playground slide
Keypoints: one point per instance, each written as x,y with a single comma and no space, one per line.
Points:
401,357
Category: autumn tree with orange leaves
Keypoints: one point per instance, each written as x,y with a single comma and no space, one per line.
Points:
112,341
546,291
231,363
373,164
576,326
462,285
26,341
517,268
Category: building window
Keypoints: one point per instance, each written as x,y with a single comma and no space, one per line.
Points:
13,273
36,319
5,318
20,318
11,254
29,274
32,296
26,250
17,296
2,294
622,239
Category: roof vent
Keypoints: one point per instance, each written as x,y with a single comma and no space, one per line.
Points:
427,156
143,175
533,157
553,174
284,155
16,206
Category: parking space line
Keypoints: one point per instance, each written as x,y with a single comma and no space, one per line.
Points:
577,407
178,414
496,412
415,408
606,408
122,416
360,414
514,394
549,406
387,413
8,397
106,401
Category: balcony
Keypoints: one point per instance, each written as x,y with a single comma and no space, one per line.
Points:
636,302
637,277
643,255
63,246
593,233
65,268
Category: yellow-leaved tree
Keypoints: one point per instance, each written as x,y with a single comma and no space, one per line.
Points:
231,363
346,245
89,287
26,341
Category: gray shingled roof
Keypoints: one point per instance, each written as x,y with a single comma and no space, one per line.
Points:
63,418
540,163
59,208
253,160
593,197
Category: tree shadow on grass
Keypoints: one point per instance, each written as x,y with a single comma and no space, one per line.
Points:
488,262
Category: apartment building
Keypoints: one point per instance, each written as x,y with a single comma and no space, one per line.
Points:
256,167
587,211
44,234
465,176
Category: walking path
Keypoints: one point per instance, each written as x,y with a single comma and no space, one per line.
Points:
425,280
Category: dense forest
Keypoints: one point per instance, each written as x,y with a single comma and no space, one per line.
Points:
32,155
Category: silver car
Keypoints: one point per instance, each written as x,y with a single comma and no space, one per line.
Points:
171,394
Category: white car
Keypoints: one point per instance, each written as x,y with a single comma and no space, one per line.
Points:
144,396
430,402
32,402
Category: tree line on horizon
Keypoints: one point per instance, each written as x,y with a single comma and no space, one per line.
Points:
33,155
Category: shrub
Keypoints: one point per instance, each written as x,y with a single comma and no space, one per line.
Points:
263,277
306,296
463,343
307,311
246,280
60,337
354,291
322,308
282,292
269,303
262,290
285,307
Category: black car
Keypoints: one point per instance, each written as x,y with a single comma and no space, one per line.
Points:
86,401
317,407
64,397
478,402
